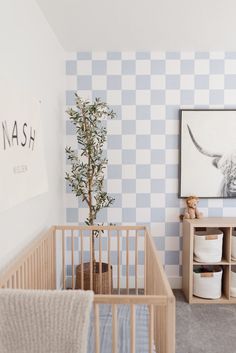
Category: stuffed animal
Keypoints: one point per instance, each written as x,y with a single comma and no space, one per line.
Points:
191,210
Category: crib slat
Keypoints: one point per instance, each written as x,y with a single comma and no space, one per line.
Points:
145,263
8,284
118,261
18,279
21,277
72,259
25,274
42,268
44,260
48,268
39,267
51,260
28,273
91,262
97,328
16,275
114,328
127,262
51,263
81,259
54,262
109,261
13,280
36,268
63,260
42,263
100,263
132,328
136,262
45,264
34,271
151,328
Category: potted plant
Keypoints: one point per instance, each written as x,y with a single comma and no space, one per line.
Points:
86,176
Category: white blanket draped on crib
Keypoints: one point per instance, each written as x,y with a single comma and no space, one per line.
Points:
34,321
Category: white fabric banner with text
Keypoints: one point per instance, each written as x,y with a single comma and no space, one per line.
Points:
22,163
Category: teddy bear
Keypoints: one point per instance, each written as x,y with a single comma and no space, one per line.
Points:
191,210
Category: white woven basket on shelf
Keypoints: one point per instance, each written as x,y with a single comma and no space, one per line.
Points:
233,246
208,245
233,283
208,284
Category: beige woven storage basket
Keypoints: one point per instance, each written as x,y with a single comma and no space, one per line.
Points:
106,286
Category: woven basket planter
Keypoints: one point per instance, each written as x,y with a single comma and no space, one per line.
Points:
106,287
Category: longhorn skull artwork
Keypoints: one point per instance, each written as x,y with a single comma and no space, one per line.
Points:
226,163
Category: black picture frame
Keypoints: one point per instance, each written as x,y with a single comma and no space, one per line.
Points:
207,153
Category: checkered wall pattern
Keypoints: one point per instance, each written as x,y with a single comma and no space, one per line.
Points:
146,90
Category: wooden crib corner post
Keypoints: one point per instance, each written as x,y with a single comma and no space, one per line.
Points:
165,326
170,324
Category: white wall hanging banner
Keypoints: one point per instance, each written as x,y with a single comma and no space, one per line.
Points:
22,162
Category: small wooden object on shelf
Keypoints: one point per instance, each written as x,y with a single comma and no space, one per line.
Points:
190,226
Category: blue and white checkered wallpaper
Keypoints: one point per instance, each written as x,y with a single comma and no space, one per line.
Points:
147,89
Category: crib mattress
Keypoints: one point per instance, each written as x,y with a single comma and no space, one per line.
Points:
123,323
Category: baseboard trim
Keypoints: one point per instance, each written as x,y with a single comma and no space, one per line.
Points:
175,282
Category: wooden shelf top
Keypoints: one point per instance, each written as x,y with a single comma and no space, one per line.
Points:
214,222
222,262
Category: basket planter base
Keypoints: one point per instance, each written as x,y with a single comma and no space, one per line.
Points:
103,286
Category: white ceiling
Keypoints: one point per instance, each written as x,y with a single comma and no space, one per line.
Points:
139,25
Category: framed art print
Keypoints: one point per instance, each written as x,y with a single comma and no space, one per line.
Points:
207,153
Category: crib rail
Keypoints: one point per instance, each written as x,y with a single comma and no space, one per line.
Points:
139,277
157,284
34,267
152,302
124,252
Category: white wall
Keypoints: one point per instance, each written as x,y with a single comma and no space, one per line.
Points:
160,25
32,58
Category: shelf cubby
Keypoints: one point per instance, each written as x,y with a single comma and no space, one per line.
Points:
226,225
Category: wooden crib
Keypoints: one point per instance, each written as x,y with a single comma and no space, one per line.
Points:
50,262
